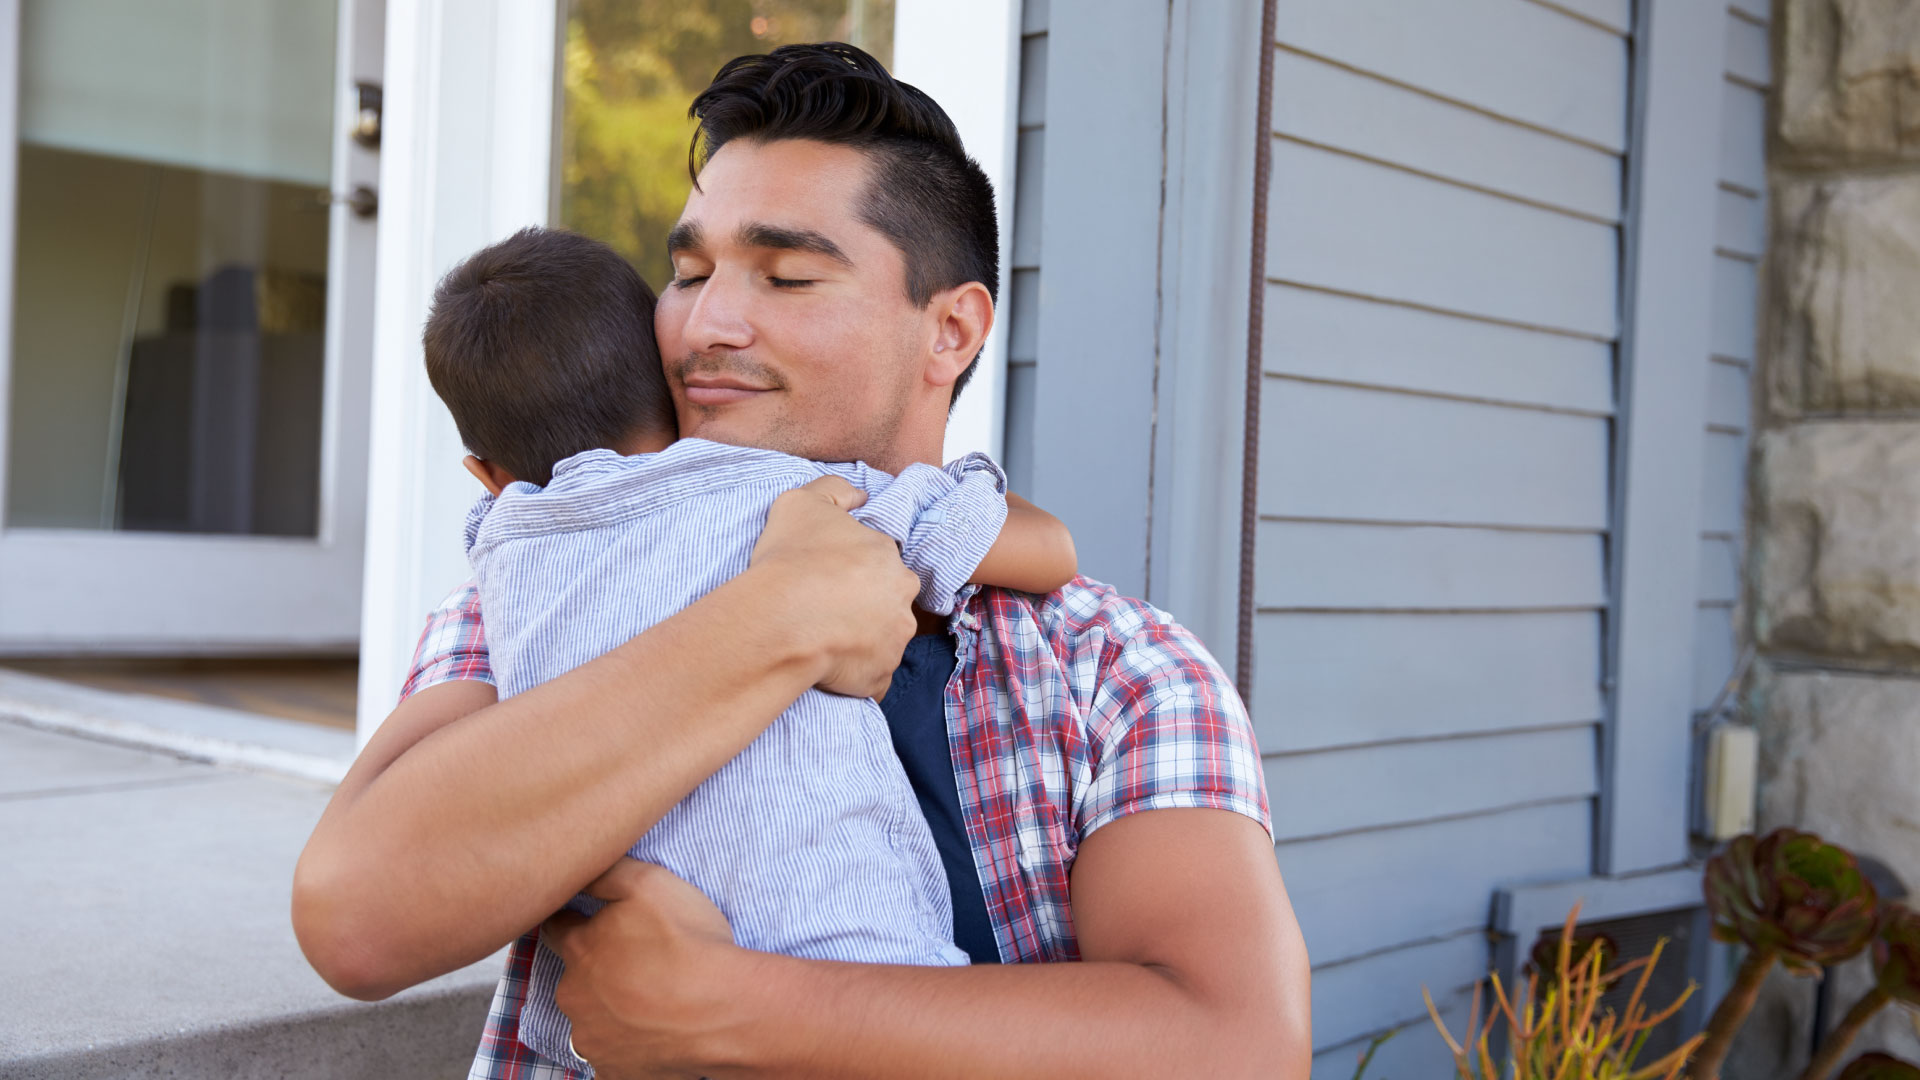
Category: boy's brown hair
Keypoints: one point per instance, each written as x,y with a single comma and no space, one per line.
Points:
542,347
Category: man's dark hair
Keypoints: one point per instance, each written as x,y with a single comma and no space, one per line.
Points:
542,346
927,196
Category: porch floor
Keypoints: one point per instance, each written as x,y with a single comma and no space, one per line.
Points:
312,691
144,926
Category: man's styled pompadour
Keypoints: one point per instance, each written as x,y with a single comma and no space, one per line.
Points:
927,196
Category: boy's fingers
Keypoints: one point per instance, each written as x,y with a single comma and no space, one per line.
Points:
618,882
838,492
557,933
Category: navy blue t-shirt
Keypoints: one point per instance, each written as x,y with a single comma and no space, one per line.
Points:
916,710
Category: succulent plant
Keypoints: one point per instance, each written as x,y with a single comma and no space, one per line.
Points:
1896,954
1788,896
1792,895
1880,1067
1896,974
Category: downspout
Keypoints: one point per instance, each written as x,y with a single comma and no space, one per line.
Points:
1256,327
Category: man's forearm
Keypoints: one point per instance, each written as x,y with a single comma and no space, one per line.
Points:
1105,1020
435,854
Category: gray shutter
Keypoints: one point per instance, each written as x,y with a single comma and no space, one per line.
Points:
1436,448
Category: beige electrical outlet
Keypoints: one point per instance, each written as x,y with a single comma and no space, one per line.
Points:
1733,759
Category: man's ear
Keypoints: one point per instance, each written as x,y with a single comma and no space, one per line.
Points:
491,476
966,315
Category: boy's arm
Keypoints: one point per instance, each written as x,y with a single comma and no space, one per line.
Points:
1034,553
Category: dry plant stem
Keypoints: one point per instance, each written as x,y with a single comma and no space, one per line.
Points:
1732,1010
1834,1045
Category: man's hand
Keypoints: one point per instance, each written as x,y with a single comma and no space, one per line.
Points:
846,590
646,977
1193,967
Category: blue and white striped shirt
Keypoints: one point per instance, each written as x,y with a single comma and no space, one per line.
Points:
810,841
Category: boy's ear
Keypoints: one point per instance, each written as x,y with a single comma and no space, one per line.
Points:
491,476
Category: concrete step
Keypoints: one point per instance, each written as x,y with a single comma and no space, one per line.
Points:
144,929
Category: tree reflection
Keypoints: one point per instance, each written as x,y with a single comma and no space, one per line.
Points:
632,67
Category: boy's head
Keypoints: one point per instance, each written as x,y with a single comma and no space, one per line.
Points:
542,347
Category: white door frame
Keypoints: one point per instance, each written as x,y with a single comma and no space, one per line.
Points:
471,95
965,54
81,591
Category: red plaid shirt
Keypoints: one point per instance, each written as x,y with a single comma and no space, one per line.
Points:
1065,712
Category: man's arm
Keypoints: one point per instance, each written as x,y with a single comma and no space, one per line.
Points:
466,821
1193,966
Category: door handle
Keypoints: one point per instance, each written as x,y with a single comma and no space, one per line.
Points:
362,200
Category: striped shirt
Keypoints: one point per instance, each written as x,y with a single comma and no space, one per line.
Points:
833,861
1065,712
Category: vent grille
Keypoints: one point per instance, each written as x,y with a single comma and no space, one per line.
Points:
1636,937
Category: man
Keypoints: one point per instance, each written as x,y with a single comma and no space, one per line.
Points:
1091,778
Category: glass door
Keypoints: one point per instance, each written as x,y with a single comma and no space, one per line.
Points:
188,290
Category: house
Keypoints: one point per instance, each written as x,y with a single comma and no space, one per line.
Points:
1509,284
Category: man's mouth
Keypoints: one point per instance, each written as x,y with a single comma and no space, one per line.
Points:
719,390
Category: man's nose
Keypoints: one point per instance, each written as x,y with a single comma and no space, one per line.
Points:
719,316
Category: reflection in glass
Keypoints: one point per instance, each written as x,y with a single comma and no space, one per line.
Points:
167,361
631,69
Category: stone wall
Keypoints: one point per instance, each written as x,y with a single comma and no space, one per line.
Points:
1834,567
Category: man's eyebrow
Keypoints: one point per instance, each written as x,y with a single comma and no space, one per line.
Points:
684,237
762,235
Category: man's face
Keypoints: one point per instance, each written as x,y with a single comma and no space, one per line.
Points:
787,325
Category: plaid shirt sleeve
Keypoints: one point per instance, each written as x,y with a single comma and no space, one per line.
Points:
452,647
1168,731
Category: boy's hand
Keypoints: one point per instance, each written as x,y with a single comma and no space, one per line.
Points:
839,587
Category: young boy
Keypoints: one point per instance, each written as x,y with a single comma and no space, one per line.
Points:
598,524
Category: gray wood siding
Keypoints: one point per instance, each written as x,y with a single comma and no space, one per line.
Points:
1739,242
1023,262
1436,447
